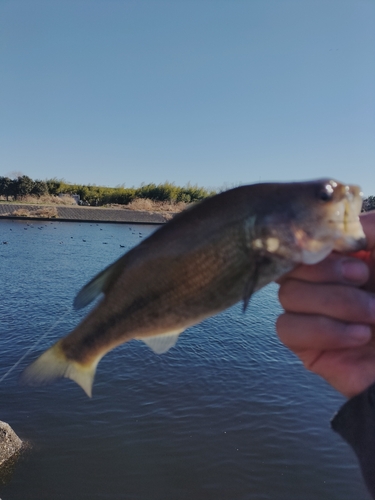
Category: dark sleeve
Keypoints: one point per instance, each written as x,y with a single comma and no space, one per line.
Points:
355,422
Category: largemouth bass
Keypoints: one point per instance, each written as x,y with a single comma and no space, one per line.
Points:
205,260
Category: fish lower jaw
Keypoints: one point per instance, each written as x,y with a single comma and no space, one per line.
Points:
349,236
311,257
350,244
319,251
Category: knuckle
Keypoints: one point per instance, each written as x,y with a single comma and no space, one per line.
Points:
285,332
281,324
347,299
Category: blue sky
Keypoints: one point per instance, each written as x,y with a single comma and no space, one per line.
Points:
214,93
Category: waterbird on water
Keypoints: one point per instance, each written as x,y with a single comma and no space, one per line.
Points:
204,260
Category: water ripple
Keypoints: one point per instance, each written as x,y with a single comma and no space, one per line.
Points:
229,413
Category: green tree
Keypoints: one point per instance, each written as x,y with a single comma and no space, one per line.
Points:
5,187
368,204
39,189
13,188
83,192
24,186
54,186
96,195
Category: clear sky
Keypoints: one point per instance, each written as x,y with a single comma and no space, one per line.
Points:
211,92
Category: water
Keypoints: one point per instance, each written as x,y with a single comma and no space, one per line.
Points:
228,414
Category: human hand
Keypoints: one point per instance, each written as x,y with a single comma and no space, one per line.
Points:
329,319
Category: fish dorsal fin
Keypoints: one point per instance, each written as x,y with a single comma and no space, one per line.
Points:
161,343
95,287
102,281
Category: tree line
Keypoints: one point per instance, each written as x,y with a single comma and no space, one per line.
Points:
16,189
21,186
368,204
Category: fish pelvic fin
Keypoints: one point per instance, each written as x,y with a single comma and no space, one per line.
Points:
53,364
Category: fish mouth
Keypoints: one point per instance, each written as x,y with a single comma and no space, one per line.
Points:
339,229
344,221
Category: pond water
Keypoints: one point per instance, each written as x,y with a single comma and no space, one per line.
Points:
227,414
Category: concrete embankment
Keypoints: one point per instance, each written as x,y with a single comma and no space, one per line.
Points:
83,214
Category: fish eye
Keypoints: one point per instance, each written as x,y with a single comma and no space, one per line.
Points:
326,194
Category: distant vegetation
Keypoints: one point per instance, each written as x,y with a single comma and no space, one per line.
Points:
368,204
45,212
23,186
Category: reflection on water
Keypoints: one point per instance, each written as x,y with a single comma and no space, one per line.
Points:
7,468
228,413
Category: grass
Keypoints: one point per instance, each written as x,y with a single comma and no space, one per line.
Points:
46,200
167,208
45,212
138,204
145,204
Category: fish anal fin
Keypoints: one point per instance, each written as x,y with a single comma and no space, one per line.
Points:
162,343
53,364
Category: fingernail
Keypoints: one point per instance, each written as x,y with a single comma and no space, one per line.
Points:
359,333
354,270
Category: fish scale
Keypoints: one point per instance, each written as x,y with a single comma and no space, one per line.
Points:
203,261
182,294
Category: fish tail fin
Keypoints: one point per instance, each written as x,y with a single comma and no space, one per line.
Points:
54,364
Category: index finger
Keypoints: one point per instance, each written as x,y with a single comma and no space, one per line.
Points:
336,268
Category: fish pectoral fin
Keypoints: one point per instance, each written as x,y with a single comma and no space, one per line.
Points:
53,364
162,343
251,284
95,287
248,292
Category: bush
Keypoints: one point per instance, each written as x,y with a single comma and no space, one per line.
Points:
39,189
368,204
171,193
97,195
24,185
5,187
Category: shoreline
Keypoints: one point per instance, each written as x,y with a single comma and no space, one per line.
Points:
85,214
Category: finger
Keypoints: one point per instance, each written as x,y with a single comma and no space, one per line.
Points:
302,332
336,268
346,303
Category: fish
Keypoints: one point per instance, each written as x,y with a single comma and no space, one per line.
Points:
206,259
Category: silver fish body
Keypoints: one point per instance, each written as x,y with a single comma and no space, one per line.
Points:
206,259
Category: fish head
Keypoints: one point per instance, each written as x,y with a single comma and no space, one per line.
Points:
314,218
